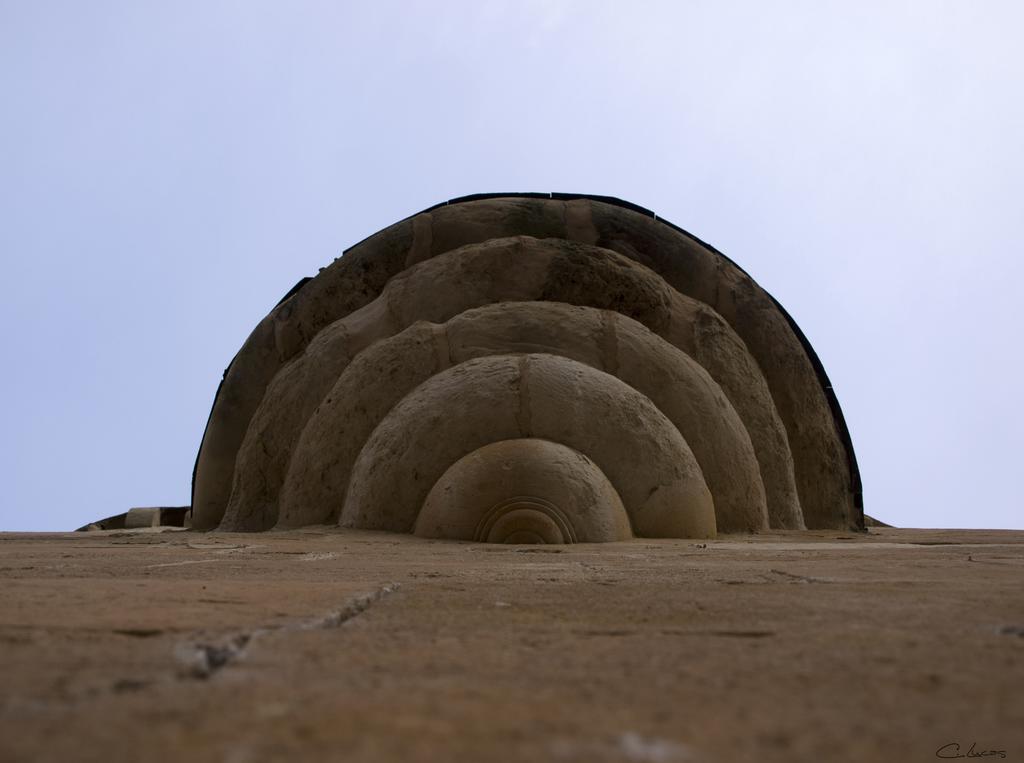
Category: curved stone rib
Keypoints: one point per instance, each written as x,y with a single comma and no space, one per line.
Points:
291,398
706,337
517,268
346,285
821,463
511,488
821,460
674,382
495,398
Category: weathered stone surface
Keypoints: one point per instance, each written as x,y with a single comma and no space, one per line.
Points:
345,285
459,257
767,648
142,517
509,490
321,465
517,269
543,396
671,380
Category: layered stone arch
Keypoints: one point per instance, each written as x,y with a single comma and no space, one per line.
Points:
515,264
520,268
365,393
505,397
470,500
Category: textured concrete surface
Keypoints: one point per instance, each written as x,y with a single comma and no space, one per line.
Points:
325,644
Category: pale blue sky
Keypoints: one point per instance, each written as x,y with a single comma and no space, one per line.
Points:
169,170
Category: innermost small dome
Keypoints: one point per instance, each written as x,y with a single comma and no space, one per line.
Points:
524,490
525,519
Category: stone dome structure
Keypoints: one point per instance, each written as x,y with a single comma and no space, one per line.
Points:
528,368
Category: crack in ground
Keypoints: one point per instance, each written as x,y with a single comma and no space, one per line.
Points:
801,578
202,660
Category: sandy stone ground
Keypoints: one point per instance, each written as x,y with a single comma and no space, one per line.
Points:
320,644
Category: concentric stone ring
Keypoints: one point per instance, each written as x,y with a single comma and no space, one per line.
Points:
528,368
